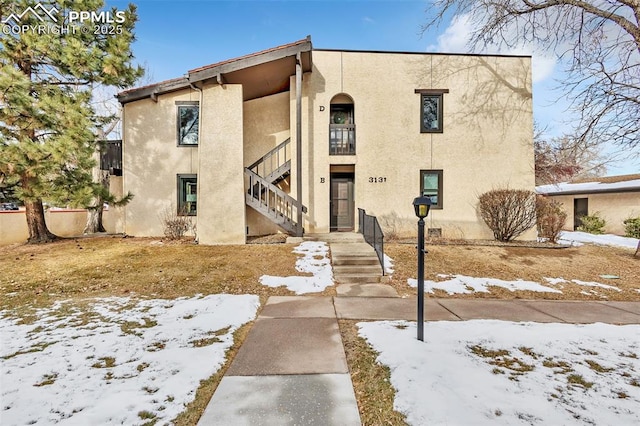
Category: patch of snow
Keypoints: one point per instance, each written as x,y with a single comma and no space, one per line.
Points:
461,284
595,186
388,265
577,238
314,261
113,358
556,281
441,381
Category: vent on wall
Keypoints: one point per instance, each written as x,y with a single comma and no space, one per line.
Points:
434,232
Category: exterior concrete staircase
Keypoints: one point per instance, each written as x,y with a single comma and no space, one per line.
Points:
356,267
265,194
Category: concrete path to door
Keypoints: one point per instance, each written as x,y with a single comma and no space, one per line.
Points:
292,369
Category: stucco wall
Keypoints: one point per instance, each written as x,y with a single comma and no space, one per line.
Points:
152,160
614,208
486,143
221,203
64,223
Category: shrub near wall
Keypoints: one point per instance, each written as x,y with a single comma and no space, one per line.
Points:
632,227
550,218
593,224
508,212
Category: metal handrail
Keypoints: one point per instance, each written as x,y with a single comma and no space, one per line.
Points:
280,153
369,227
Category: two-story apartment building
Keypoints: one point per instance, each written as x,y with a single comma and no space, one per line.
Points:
295,139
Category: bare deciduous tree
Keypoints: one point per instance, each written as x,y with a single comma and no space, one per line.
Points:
599,40
562,159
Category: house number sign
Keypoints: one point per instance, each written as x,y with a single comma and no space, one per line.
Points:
377,179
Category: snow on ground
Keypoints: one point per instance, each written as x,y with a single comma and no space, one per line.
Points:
456,284
578,238
388,265
115,360
314,261
560,281
462,284
505,373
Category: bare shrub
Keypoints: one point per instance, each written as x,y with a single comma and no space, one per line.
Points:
176,224
551,218
508,212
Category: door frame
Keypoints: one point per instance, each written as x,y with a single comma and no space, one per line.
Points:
579,212
349,178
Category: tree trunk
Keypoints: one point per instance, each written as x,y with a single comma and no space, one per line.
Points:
94,214
38,231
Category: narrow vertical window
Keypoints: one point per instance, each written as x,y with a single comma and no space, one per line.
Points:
431,120
187,195
188,118
431,186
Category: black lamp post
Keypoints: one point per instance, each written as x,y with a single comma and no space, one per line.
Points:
421,205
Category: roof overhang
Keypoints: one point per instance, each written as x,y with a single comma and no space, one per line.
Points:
588,192
261,74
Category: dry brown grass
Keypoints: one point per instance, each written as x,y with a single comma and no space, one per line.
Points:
114,266
585,263
373,390
194,410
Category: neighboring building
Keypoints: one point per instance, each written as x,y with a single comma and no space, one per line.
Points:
295,138
614,198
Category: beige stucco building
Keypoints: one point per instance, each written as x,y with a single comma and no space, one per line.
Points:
296,139
613,198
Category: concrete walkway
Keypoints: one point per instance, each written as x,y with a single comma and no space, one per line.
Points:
292,369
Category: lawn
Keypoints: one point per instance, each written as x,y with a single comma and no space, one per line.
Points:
131,286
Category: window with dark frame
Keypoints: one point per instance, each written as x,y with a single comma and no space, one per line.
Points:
431,100
188,116
187,195
431,186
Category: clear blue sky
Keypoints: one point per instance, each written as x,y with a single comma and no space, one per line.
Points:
176,36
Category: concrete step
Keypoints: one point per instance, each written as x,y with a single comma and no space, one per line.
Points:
336,237
357,278
366,290
373,269
355,260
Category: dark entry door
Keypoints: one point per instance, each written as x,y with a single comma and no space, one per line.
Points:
342,202
580,208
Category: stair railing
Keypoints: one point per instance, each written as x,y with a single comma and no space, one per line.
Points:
273,160
369,227
272,201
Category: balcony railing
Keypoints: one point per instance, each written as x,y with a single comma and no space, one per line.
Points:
111,157
342,139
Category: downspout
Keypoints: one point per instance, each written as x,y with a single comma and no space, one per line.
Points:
200,100
299,229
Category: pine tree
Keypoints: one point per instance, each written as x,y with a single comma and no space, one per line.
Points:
47,123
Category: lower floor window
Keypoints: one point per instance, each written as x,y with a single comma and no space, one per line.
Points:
187,195
431,186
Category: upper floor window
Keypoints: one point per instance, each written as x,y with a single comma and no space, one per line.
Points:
342,128
431,186
431,120
188,118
